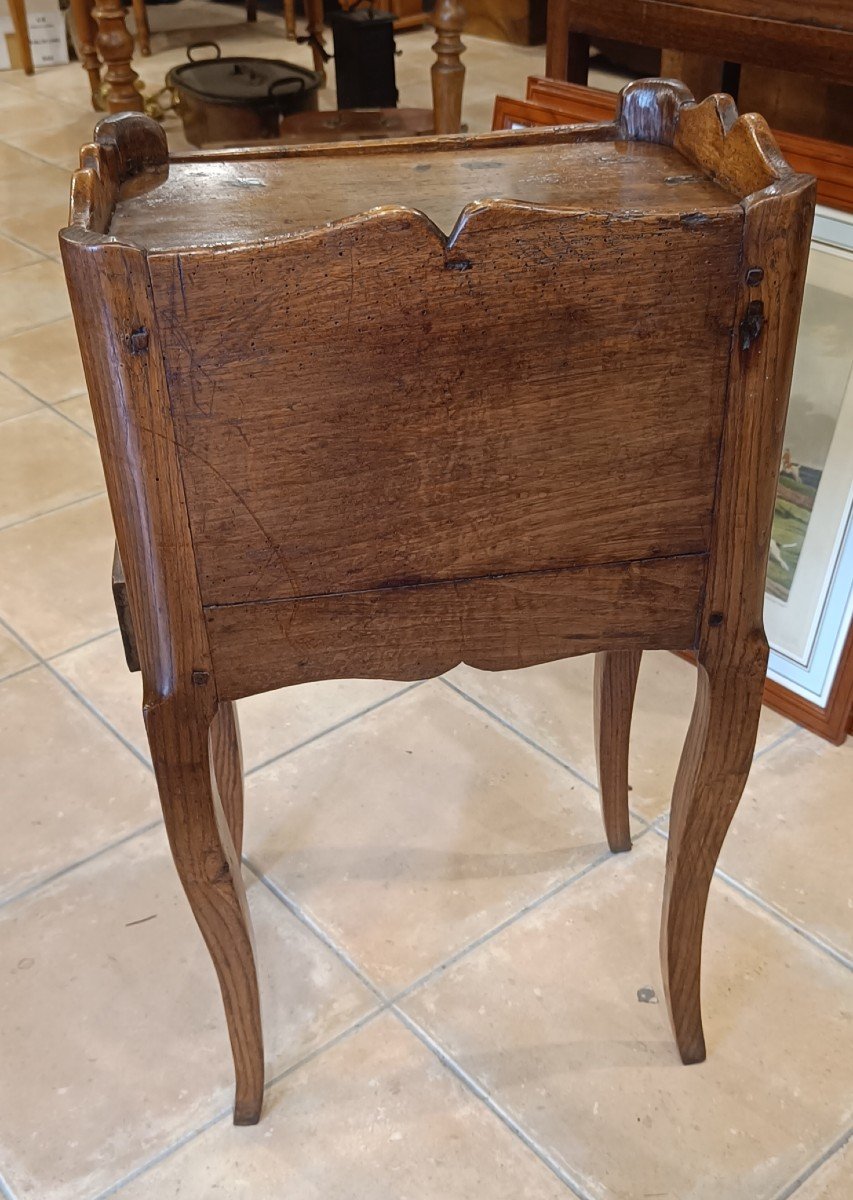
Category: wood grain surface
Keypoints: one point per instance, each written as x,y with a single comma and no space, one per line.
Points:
359,446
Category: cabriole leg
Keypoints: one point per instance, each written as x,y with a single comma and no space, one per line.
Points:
616,674
209,868
711,776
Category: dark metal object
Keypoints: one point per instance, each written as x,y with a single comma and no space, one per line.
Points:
364,59
238,99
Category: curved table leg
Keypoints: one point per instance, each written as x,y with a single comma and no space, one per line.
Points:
209,869
616,674
711,776
18,13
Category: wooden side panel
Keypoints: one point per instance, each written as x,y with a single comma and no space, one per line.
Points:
494,624
367,406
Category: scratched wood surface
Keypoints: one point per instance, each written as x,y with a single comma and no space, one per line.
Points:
490,623
367,448
482,445
232,201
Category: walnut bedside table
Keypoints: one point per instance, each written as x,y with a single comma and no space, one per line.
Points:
378,409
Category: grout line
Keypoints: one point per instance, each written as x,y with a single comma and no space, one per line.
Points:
518,733
770,908
20,671
553,891
314,927
66,683
561,762
830,1152
221,1116
19,241
362,712
34,396
70,420
498,1110
7,337
783,737
59,507
96,637
69,686
38,884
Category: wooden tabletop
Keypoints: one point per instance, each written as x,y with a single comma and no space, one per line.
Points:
226,199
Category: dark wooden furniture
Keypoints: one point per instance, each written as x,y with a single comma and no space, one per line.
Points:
775,45
522,22
550,102
547,422
447,76
105,47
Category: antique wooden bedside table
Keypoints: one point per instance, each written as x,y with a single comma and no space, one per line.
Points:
375,410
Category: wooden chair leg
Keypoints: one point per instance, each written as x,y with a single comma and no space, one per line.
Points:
84,43
711,776
18,13
251,11
143,29
227,756
209,868
316,20
290,19
615,684
577,60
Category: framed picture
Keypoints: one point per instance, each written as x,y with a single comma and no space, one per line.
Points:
809,597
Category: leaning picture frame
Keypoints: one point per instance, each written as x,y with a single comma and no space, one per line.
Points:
809,598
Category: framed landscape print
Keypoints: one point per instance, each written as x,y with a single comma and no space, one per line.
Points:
809,596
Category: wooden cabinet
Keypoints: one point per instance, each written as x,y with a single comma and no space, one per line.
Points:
374,410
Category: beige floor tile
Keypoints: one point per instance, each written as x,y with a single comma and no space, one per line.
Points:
79,410
113,1031
60,146
416,829
12,159
269,724
277,721
546,1017
553,705
832,1181
32,111
792,840
13,656
46,361
47,462
374,1118
55,583
70,787
14,401
34,186
32,295
98,671
39,227
12,255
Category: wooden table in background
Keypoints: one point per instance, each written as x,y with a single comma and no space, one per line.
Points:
700,37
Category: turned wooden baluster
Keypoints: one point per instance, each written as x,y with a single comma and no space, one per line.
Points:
85,33
448,73
115,46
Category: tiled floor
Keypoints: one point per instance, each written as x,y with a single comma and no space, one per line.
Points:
453,964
